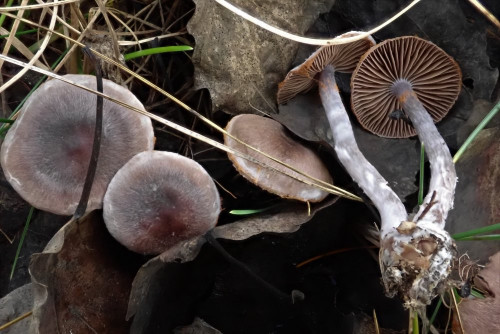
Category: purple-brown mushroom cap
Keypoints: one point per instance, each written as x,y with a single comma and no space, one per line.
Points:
159,199
46,153
432,74
272,138
343,57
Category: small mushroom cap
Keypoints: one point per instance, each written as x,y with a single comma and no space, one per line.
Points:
46,153
343,57
159,199
271,137
433,75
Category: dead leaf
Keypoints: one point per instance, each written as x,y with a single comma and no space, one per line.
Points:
478,189
481,315
14,305
82,280
240,63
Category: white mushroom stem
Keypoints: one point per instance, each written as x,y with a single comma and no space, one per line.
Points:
390,207
415,257
443,175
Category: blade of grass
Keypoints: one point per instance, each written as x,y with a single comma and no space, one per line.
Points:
2,18
435,313
8,121
161,49
250,211
481,230
477,294
415,329
20,245
476,131
20,33
421,175
488,237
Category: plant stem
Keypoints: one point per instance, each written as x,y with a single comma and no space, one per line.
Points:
476,131
21,241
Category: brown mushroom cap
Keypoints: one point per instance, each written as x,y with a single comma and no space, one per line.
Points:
159,199
343,57
46,153
271,137
433,75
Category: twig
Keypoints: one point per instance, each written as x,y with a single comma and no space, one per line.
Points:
428,206
89,179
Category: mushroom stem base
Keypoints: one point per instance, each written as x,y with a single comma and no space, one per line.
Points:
416,260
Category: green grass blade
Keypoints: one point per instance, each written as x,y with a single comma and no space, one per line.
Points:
415,323
20,245
435,313
487,237
20,33
477,294
2,18
8,121
481,230
421,175
249,211
476,131
152,51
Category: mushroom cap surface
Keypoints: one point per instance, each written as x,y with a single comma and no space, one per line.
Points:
433,75
46,153
343,57
272,138
159,199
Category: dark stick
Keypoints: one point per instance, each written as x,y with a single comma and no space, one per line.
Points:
89,179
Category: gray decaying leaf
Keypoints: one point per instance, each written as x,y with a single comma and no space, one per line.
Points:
396,159
283,219
477,193
481,315
82,280
14,305
241,64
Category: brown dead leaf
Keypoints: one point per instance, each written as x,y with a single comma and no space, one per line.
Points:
82,280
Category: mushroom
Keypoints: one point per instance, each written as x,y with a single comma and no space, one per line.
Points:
46,153
272,138
342,58
415,256
158,199
400,71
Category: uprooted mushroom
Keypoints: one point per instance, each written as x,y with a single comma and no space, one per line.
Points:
416,254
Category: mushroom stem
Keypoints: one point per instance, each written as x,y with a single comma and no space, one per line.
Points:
443,175
390,207
415,257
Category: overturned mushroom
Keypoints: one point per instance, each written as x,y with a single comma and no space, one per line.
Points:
402,70
159,199
342,58
46,153
272,138
415,256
